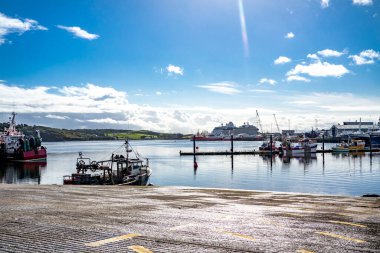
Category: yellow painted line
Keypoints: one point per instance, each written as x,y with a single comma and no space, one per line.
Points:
139,249
304,251
348,223
344,214
240,235
109,240
341,237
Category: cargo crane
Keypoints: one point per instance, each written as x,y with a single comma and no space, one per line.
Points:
278,137
259,122
275,120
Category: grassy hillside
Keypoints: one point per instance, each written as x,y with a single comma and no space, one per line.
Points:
56,134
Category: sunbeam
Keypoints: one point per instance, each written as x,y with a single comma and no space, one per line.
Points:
243,29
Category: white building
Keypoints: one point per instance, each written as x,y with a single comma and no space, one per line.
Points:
353,127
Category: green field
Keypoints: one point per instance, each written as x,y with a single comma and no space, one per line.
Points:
56,134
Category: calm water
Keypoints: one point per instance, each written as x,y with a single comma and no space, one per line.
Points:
334,174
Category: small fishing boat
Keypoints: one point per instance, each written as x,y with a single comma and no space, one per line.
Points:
119,169
357,145
300,147
353,146
266,146
342,147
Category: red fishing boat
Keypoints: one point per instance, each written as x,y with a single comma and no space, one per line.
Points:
15,146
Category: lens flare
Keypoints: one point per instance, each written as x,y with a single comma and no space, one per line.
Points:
243,29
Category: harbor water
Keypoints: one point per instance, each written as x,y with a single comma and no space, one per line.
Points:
339,174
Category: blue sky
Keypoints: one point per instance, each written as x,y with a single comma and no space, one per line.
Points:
187,65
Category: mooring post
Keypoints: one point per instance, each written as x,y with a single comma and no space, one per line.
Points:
195,164
232,143
370,145
194,144
323,142
271,148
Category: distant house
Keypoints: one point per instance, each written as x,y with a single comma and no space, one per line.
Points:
353,127
288,132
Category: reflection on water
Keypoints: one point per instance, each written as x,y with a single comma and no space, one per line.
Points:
21,173
340,173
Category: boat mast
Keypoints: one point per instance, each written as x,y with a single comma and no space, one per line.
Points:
126,150
12,123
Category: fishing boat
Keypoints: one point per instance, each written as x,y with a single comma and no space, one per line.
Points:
357,145
125,169
300,147
266,146
353,146
15,146
342,147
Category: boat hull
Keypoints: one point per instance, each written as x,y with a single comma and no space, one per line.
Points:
29,156
341,150
299,150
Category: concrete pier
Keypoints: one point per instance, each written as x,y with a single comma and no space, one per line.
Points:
172,219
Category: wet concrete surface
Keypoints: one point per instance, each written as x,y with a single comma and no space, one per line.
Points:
172,219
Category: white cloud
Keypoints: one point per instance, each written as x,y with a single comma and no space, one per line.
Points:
266,80
105,120
68,99
222,87
330,53
51,116
174,70
79,32
362,2
262,91
14,25
158,93
282,60
313,56
290,35
297,78
337,102
303,102
319,69
91,106
325,3
365,57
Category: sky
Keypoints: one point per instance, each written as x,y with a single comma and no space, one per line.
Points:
184,66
